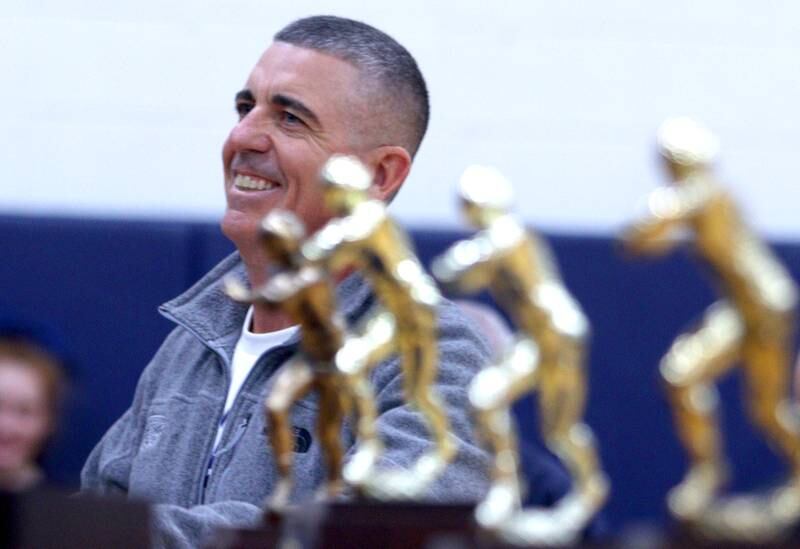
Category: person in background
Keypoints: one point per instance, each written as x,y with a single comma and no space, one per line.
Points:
32,386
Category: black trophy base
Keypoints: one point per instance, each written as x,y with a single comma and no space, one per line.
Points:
354,525
47,519
681,536
417,525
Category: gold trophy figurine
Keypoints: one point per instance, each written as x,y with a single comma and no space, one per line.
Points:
365,237
547,355
752,323
306,294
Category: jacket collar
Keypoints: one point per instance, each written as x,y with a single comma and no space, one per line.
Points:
217,320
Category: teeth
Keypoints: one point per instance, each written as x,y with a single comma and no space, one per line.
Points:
247,182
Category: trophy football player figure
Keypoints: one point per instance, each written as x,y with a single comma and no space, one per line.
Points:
547,356
752,325
306,294
365,237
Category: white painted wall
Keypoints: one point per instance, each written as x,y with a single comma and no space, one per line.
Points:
120,108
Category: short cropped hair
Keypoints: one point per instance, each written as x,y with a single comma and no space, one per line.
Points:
380,59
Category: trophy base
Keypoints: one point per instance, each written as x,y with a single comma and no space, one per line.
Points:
48,518
357,524
770,518
391,524
684,536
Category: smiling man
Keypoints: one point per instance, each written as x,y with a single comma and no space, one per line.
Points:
326,86
194,439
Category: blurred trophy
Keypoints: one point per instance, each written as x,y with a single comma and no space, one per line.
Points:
753,323
547,355
305,293
365,237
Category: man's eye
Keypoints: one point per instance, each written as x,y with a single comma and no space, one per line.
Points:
243,107
291,119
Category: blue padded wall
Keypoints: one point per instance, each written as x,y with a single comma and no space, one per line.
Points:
100,282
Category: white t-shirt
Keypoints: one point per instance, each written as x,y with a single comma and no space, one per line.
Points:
248,350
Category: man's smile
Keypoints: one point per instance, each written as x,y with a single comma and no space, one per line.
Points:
253,183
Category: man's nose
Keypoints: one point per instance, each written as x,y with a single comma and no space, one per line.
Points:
252,133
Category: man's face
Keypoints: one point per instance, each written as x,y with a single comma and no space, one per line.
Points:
296,109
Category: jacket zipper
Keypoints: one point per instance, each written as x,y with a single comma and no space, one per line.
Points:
210,467
263,359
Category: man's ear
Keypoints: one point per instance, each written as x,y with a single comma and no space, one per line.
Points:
390,165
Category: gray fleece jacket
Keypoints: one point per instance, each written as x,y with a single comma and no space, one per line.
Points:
160,449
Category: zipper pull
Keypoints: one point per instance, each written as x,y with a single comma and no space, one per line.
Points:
236,436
